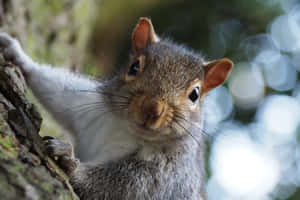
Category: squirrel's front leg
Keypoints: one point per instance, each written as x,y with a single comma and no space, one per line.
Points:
63,151
60,91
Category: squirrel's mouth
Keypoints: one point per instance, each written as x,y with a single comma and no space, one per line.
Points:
146,129
151,114
147,133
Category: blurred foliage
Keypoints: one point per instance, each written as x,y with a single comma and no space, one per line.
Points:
51,31
54,32
188,22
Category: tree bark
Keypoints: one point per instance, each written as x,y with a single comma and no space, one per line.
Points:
49,31
26,171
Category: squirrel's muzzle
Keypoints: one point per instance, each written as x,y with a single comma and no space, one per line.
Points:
152,109
150,112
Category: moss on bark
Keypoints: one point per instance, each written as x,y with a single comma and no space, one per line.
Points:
55,32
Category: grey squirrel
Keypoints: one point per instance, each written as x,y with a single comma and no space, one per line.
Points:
139,136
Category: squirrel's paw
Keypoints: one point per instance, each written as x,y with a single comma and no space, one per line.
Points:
11,49
62,152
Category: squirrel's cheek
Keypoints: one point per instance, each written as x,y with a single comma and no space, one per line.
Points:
134,108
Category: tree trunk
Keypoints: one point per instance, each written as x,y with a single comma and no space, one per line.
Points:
50,31
26,172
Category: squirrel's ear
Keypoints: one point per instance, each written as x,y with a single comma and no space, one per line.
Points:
143,35
216,73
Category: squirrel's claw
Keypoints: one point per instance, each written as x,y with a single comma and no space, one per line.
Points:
57,147
62,152
68,164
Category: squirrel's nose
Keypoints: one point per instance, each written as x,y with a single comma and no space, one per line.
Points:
150,112
152,109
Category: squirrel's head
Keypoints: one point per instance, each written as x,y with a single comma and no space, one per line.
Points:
166,83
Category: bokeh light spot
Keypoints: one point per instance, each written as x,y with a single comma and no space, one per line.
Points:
243,168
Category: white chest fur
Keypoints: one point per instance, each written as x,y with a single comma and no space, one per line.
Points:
106,138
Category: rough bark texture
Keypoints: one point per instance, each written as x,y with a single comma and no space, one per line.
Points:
50,31
26,172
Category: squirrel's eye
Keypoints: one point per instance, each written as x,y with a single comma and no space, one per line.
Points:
194,95
134,68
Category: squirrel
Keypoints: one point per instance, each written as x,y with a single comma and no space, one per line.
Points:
139,135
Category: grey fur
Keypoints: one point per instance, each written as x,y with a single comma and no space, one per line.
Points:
175,169
167,176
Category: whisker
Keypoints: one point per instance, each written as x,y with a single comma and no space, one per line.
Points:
96,108
100,115
75,107
187,131
102,92
115,95
195,124
74,91
102,112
